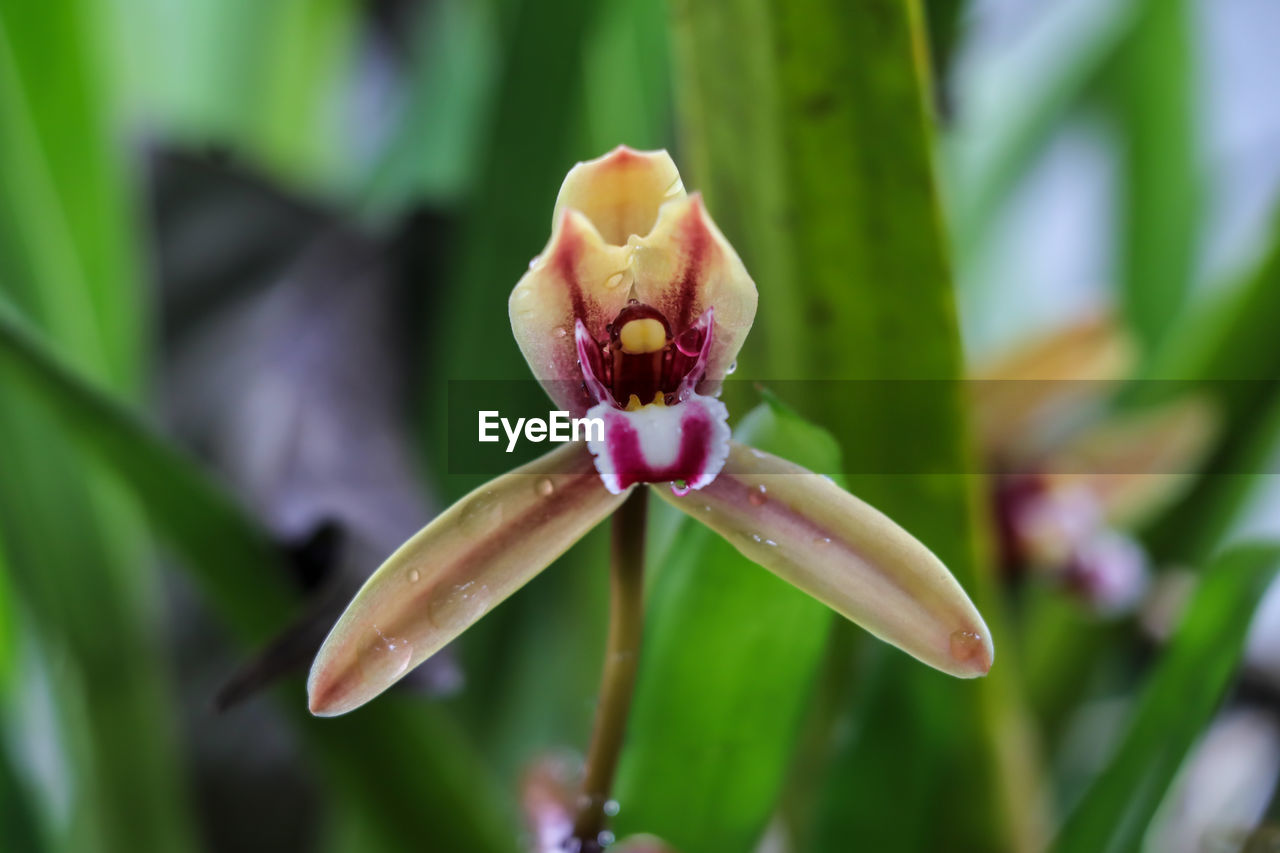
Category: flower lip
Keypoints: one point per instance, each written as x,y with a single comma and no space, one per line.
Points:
642,362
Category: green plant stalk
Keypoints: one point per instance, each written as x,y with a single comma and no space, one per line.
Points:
622,654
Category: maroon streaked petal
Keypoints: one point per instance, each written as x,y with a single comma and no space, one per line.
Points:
685,266
813,534
621,192
685,443
589,363
578,277
453,571
703,330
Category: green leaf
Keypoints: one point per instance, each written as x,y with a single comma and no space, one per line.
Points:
728,664
807,125
1179,700
1228,352
1161,202
76,553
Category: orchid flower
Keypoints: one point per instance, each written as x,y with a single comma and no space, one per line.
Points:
634,313
1066,501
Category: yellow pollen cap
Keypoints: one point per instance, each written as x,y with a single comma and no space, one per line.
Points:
643,335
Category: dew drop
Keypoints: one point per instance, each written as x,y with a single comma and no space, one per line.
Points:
605,838
733,366
545,487
481,514
561,331
755,537
771,543
757,498
459,606
385,658
534,261
415,576
611,807
967,646
822,541
614,280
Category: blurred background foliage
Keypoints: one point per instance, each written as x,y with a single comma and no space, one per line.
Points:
244,247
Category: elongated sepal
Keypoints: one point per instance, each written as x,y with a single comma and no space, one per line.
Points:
1136,464
453,571
1026,392
813,534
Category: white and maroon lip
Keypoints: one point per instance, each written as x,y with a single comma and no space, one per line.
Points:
685,444
657,429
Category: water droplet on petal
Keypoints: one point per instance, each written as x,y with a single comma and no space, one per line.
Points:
967,646
614,280
611,807
755,537
605,838
822,541
534,261
733,366
459,606
385,658
757,498
481,514
415,576
545,487
561,331
771,543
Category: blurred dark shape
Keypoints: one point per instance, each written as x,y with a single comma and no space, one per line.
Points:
285,370
286,361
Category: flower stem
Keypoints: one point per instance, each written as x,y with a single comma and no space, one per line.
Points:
626,620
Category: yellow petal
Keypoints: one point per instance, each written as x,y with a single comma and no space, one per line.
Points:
1136,464
620,193
813,534
577,276
453,571
1020,393
684,266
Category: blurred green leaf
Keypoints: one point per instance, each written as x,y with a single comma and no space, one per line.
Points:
438,789
76,552
997,141
728,665
1179,700
433,153
1228,351
1161,196
807,124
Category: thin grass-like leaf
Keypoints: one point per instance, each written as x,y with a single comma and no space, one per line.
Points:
1177,703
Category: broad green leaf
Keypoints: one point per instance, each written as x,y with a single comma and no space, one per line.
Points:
728,665
1178,701
438,791
807,125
